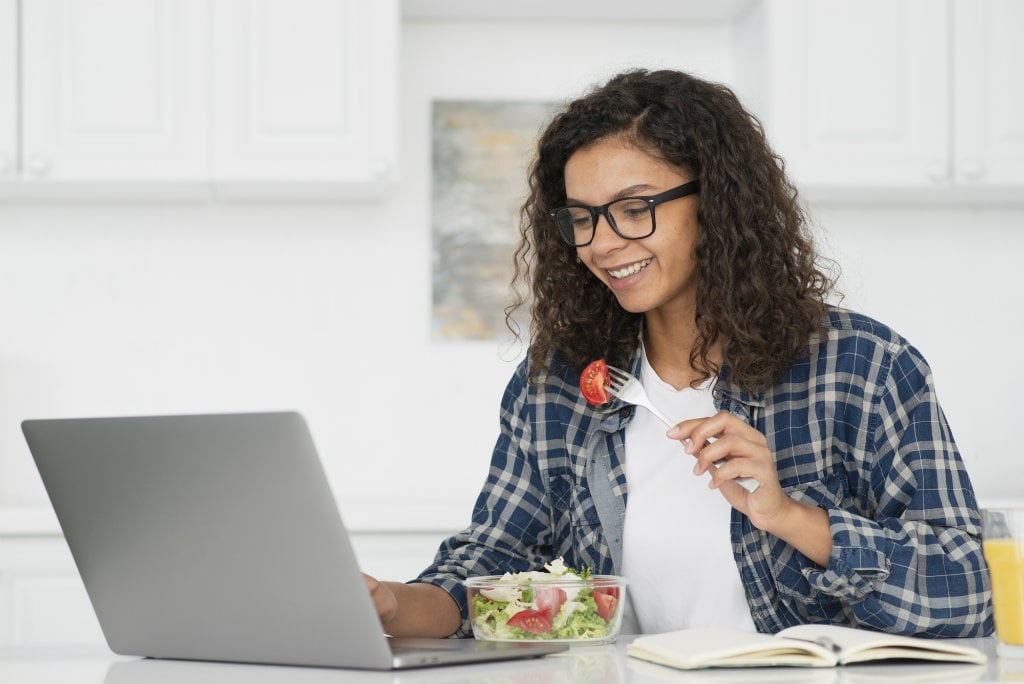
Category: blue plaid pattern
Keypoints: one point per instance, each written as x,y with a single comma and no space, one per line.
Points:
856,429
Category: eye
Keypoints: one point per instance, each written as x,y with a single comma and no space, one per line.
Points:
579,218
632,210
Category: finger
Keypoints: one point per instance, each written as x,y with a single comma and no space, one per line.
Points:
695,433
710,429
724,470
738,451
723,424
683,429
714,451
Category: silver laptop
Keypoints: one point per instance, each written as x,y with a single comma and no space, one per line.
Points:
216,537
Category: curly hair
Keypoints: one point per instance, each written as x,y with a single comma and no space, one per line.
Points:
761,292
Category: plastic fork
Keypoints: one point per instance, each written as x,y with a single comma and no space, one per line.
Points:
628,388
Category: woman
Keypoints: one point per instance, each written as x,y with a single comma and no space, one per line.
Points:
662,235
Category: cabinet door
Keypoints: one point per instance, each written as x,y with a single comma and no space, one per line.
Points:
989,55
114,91
856,94
8,89
305,96
42,599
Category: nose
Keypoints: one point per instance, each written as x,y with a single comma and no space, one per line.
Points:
605,238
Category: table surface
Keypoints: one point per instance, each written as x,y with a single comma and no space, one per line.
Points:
606,664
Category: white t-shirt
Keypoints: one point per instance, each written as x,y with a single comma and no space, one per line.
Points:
676,550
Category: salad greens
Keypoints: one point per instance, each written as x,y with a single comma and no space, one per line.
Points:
558,603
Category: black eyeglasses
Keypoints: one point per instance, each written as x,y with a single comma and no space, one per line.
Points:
631,218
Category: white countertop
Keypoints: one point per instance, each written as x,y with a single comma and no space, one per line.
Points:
582,665
28,521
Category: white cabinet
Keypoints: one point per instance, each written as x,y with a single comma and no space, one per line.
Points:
42,598
304,90
180,97
112,91
988,78
44,603
8,89
837,103
906,98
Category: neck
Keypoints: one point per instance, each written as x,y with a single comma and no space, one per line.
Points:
668,341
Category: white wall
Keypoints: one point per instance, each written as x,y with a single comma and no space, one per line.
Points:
948,280
146,308
112,308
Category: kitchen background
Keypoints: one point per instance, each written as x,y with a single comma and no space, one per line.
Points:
238,217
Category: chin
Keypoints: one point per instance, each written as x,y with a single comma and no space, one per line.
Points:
632,305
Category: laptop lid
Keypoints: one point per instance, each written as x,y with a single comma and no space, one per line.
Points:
215,537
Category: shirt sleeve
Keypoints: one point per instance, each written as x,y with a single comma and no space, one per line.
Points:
510,526
914,565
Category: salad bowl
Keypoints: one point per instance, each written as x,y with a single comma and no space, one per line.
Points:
556,605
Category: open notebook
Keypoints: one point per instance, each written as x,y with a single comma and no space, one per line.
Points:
216,537
800,646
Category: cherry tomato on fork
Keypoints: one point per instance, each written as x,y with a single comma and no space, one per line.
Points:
592,382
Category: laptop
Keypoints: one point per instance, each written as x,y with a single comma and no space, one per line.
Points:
216,537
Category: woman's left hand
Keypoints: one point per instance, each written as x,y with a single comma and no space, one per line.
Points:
742,451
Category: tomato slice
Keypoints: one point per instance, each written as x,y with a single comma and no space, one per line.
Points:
592,382
549,600
606,604
611,591
535,621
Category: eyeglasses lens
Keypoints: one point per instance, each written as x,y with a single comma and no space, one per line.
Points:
630,217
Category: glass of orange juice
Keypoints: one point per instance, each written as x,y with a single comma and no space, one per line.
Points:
1003,544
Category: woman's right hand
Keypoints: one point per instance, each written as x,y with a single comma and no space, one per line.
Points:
384,600
427,610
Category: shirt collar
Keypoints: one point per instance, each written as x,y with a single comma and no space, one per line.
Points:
725,388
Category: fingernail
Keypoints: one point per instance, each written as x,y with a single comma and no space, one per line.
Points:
673,432
688,445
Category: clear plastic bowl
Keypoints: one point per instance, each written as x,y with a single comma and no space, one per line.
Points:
570,610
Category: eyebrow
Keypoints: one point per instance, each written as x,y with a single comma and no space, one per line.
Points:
630,191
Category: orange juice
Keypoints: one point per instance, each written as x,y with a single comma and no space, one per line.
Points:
1006,568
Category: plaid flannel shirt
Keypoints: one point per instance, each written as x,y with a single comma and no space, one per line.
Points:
855,428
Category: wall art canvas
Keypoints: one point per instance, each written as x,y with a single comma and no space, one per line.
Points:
481,152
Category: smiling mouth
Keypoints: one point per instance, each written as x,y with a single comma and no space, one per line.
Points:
631,269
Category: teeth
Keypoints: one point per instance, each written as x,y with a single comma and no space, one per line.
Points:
630,270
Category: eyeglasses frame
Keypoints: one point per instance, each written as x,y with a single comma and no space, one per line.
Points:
678,192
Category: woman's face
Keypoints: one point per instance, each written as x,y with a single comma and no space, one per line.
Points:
655,273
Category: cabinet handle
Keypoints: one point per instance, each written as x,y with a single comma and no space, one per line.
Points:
972,170
380,169
38,165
